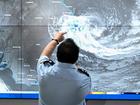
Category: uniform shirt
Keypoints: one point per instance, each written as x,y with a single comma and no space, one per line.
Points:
61,83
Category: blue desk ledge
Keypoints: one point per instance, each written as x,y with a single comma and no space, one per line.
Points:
113,97
88,97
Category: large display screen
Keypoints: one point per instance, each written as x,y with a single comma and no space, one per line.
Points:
107,31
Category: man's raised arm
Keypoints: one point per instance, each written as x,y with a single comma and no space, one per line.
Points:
48,50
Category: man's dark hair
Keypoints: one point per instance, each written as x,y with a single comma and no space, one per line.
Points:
68,51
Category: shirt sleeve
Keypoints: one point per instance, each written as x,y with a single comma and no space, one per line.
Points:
43,65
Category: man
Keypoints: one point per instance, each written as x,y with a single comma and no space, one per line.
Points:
62,83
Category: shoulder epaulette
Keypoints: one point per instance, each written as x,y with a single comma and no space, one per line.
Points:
83,71
50,62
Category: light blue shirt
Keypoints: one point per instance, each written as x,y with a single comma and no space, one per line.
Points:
61,83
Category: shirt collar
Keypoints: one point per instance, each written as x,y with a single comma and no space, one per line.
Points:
66,65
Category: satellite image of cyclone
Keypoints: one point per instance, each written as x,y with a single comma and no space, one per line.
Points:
107,32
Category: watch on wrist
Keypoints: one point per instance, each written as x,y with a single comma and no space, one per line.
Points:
56,40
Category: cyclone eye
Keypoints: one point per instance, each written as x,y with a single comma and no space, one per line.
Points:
75,26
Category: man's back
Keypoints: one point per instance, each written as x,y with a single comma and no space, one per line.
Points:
63,84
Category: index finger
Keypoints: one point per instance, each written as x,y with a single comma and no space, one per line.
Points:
62,33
